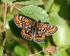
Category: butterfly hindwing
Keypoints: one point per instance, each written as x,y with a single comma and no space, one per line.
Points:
26,35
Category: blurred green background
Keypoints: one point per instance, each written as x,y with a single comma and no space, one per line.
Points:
56,12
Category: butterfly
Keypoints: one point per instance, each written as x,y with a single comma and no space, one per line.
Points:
33,30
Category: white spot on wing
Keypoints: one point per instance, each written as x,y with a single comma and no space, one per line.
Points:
20,17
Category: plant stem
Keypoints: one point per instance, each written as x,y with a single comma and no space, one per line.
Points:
4,16
4,33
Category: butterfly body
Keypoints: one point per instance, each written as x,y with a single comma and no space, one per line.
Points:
33,30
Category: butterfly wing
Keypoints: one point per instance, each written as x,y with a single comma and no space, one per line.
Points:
34,30
47,29
40,34
26,35
18,21
27,29
25,24
52,29
44,30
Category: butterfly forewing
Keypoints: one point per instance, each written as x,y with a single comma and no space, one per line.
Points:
52,29
18,21
26,35
26,23
44,30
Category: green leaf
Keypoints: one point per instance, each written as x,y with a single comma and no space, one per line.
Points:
48,4
35,13
8,1
68,51
9,16
62,36
37,2
32,2
60,52
1,51
55,8
21,51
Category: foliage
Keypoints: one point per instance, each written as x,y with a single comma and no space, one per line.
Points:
55,12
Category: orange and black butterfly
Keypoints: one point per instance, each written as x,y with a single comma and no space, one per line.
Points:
33,30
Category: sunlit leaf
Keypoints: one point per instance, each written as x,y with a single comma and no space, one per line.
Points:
31,2
62,36
35,13
48,4
68,51
60,52
21,51
8,1
1,51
